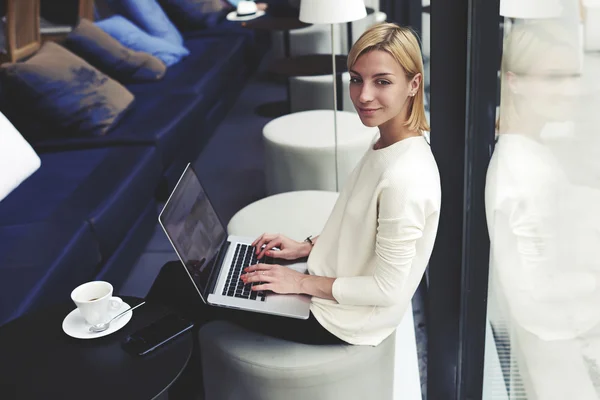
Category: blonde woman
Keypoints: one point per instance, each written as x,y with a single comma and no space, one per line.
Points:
369,259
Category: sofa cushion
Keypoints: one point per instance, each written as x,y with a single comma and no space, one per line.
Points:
148,15
63,89
59,226
104,187
108,55
124,182
213,62
176,118
190,15
41,262
129,35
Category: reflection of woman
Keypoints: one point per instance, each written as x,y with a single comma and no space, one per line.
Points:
531,206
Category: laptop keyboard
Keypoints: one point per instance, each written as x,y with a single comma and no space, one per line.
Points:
244,256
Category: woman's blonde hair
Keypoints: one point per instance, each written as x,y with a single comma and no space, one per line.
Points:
527,42
402,44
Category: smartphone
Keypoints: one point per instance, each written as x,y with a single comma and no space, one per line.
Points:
156,334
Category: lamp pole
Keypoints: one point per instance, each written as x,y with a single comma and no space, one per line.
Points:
335,129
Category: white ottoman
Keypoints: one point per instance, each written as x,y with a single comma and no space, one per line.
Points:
300,151
242,365
316,93
239,364
294,214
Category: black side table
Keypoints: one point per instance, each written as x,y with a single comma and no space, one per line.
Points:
39,361
270,23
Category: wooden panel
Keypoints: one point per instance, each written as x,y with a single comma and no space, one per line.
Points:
22,29
86,9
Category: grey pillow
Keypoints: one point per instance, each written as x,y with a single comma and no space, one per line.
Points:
104,52
66,91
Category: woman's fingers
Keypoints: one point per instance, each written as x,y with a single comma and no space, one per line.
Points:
263,239
265,286
259,267
258,239
274,242
257,276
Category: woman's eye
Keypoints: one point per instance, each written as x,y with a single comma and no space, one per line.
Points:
354,80
383,82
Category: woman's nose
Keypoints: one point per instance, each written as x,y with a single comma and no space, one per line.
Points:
366,94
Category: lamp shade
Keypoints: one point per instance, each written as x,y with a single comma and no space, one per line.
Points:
530,9
332,11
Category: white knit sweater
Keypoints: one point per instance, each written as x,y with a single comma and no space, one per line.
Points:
377,241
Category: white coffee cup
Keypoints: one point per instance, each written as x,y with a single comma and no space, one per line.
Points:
95,301
246,8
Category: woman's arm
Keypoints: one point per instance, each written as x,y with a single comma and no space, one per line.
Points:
318,286
403,211
400,224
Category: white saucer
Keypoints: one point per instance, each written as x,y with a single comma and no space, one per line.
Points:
232,16
75,326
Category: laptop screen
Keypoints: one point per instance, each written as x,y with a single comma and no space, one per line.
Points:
194,229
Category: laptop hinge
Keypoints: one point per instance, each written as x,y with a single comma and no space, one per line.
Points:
218,266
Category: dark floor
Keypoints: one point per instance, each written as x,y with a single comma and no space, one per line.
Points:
231,169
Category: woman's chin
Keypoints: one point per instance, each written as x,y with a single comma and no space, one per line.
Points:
368,122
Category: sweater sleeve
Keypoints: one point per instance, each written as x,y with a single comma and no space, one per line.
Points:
400,224
539,272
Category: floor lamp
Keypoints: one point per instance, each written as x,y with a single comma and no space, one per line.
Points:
332,12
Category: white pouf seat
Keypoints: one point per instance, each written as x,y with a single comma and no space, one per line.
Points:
294,214
300,150
239,364
316,93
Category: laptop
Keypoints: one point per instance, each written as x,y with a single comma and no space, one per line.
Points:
215,260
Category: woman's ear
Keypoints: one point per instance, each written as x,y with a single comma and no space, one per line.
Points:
415,83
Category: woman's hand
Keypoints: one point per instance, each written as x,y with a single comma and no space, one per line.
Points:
277,278
288,249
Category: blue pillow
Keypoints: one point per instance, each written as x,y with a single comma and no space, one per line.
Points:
149,16
129,35
104,52
63,90
191,15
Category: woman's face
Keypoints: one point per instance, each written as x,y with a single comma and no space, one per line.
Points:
379,88
550,88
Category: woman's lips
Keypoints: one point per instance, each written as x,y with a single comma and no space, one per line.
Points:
368,111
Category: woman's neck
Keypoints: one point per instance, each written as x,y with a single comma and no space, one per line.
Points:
529,126
394,131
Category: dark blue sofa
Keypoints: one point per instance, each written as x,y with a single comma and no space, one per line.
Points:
89,210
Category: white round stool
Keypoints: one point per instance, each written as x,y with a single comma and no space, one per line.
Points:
300,150
239,364
294,214
316,93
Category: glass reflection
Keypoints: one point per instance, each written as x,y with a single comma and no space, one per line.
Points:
543,220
